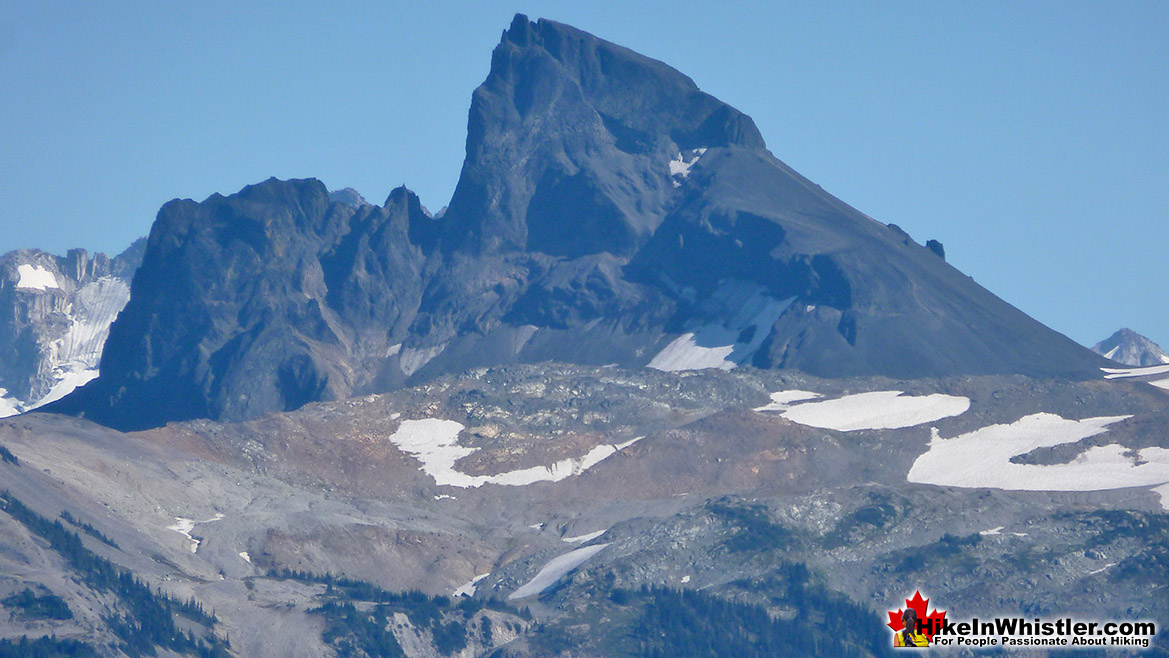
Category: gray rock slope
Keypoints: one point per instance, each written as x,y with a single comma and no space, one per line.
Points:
608,211
1130,348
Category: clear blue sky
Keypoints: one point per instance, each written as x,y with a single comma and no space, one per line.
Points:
1031,138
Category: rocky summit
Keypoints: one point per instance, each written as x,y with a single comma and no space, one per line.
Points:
608,211
1130,348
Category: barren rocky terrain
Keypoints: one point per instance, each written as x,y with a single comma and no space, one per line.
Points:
706,492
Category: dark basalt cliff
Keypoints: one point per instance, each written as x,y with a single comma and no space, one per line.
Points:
568,141
606,206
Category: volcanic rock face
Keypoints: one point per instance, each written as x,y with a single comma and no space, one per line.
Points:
568,144
1130,348
608,211
55,314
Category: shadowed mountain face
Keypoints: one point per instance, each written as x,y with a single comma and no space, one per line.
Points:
608,211
258,302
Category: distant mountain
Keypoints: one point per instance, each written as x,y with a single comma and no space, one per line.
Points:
349,197
608,211
55,314
1130,348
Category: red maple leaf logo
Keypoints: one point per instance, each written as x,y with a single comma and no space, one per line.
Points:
919,606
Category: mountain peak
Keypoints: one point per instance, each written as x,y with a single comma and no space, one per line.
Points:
520,31
401,194
608,211
348,196
1130,348
565,115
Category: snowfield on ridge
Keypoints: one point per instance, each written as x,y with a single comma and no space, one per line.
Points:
876,410
556,568
982,458
435,443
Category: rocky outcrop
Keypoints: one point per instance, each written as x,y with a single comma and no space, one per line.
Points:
936,247
608,211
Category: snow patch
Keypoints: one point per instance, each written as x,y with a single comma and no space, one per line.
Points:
751,313
69,380
522,336
781,400
626,444
8,406
1161,383
74,358
561,470
685,579
680,164
684,353
877,410
434,442
246,558
35,277
413,359
1120,373
580,539
393,349
982,458
997,532
1163,492
556,568
184,527
468,588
